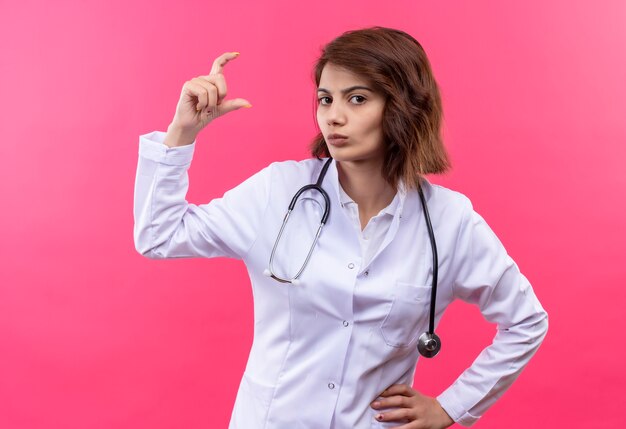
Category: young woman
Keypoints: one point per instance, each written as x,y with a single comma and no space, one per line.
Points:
344,286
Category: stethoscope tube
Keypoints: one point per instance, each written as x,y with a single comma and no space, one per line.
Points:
429,344
317,187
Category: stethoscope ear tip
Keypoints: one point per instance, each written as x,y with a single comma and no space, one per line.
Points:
296,282
267,273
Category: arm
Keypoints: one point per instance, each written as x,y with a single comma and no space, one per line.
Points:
488,277
167,226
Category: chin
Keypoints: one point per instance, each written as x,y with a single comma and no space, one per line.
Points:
343,155
339,156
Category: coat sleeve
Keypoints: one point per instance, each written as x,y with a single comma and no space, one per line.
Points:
488,277
167,226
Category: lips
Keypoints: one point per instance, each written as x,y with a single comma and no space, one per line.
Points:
337,136
336,139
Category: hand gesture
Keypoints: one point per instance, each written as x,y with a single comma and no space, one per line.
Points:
201,101
416,410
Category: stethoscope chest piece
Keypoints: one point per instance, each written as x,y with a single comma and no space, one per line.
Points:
429,344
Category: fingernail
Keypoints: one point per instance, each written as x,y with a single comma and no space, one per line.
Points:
376,404
248,105
236,53
379,416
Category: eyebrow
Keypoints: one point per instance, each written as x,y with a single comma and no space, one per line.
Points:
345,91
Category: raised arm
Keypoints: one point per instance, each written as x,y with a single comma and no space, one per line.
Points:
166,225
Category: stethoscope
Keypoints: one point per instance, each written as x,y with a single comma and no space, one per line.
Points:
429,343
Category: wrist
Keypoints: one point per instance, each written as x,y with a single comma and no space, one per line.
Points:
176,137
445,418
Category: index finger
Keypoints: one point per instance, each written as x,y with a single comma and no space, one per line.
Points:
220,62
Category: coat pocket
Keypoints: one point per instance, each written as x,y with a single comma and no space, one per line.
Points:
408,314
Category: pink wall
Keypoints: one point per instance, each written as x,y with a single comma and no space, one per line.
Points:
92,335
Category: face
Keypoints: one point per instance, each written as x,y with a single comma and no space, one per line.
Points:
347,105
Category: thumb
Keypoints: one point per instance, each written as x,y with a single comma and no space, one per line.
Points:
229,105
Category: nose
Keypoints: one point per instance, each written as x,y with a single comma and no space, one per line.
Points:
334,114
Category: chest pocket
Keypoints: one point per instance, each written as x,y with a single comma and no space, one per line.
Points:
408,316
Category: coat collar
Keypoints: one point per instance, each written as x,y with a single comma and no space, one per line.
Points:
395,208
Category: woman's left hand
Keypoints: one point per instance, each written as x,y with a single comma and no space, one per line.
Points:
416,410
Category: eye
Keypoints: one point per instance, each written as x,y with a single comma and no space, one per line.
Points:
358,96
321,100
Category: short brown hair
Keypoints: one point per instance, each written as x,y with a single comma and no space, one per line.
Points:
397,67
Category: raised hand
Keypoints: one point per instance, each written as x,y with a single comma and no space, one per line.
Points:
202,99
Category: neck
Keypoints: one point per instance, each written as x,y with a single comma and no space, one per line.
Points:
366,186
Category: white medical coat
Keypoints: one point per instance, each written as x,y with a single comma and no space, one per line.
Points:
323,350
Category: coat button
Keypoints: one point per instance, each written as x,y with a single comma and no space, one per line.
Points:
346,323
350,265
331,385
366,273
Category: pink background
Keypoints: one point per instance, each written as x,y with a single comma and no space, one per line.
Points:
92,335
